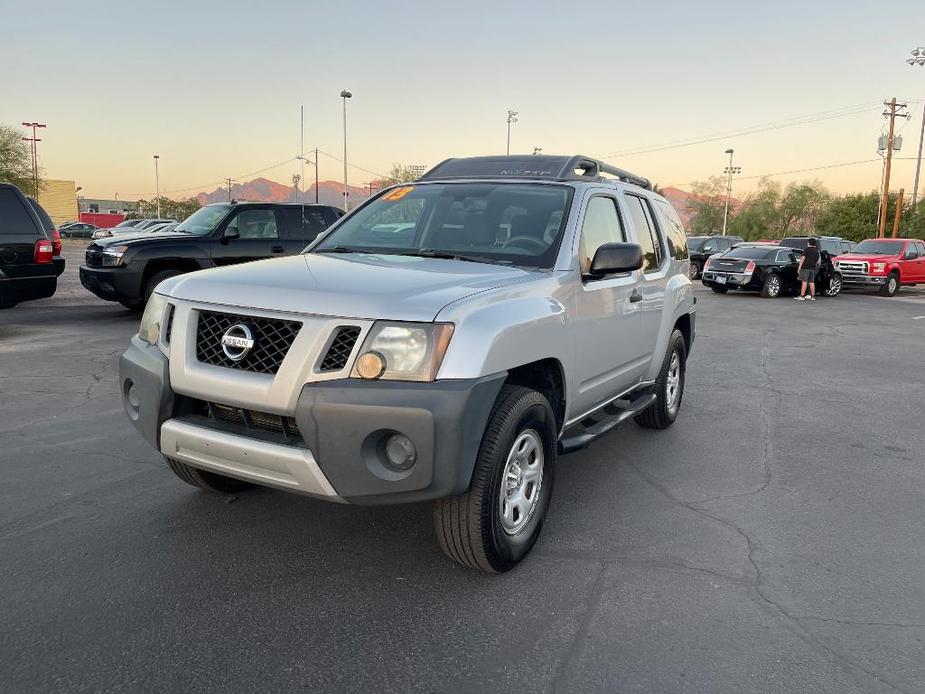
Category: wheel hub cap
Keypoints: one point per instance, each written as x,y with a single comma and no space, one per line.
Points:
522,481
673,382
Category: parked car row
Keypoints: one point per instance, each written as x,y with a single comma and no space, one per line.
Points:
135,225
771,269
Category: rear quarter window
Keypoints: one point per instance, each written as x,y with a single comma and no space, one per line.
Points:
674,230
15,216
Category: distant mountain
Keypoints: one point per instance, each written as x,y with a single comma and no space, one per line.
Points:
265,190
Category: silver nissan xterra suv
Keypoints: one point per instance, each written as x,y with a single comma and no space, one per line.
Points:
445,341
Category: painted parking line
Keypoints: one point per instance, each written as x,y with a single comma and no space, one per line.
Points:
917,317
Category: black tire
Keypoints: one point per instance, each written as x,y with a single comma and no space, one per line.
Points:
772,286
662,413
694,272
469,527
132,305
719,289
209,481
155,280
891,286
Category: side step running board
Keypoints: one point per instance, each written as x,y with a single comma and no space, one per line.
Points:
592,427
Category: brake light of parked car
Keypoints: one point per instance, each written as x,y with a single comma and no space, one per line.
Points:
56,242
44,252
750,268
708,263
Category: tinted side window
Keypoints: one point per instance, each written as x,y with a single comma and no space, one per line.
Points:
911,250
830,246
645,231
255,224
677,239
14,217
601,225
920,245
48,225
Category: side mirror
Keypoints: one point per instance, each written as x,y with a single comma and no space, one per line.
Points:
614,258
231,232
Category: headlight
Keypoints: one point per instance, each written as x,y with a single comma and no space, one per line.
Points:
112,256
878,267
403,351
150,328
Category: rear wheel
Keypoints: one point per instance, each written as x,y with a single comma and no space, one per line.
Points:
719,289
771,287
493,526
891,286
669,387
209,481
693,272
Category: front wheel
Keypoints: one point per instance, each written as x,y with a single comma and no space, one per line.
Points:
891,286
834,288
493,526
669,387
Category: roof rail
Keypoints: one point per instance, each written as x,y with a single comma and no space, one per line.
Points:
537,167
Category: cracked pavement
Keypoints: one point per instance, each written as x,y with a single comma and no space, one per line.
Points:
770,541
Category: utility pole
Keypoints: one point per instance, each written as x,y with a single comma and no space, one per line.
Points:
511,118
296,179
729,170
35,155
316,175
918,58
230,181
157,184
899,212
893,109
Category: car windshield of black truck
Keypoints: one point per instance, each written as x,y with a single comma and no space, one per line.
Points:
695,243
204,220
508,223
871,247
751,253
795,243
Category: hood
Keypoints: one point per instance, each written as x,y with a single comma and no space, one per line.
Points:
130,238
385,287
868,257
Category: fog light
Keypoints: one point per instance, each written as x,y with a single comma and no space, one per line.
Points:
400,451
371,365
132,395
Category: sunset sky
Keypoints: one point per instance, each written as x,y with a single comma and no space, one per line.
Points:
215,88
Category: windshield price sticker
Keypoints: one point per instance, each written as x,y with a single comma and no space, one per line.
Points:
398,193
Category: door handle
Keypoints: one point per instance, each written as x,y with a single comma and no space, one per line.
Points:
635,296
278,249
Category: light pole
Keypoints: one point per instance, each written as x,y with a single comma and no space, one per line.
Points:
157,186
35,156
344,95
729,171
511,118
537,150
918,58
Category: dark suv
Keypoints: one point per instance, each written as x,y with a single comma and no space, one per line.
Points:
829,280
127,268
27,267
702,247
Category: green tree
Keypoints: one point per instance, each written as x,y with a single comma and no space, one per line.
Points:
774,212
758,213
170,209
16,160
853,216
397,174
799,207
706,206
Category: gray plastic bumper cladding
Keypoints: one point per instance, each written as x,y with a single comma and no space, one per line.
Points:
445,420
341,421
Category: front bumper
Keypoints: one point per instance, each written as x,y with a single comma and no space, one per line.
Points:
863,280
338,454
111,283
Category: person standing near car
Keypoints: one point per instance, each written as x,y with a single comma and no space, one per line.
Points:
809,265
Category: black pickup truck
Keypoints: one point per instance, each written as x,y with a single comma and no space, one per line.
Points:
127,268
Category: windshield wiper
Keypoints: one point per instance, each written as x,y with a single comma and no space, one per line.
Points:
337,249
447,255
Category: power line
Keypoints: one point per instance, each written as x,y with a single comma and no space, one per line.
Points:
374,173
793,171
751,130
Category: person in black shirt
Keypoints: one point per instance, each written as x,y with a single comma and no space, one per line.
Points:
809,265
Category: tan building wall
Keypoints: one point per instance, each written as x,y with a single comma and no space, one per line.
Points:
59,198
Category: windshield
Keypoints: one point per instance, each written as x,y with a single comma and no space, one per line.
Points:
520,224
204,220
872,247
128,223
695,243
751,253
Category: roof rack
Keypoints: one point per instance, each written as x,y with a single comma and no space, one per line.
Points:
533,166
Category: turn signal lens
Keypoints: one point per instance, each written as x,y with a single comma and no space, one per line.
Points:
370,365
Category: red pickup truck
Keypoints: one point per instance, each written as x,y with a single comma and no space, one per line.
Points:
884,263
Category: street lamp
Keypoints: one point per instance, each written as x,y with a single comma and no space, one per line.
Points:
157,186
729,171
537,150
345,95
918,58
511,118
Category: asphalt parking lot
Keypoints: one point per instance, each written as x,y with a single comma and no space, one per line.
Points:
770,541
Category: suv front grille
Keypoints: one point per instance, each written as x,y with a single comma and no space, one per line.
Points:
272,340
341,347
853,266
246,420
